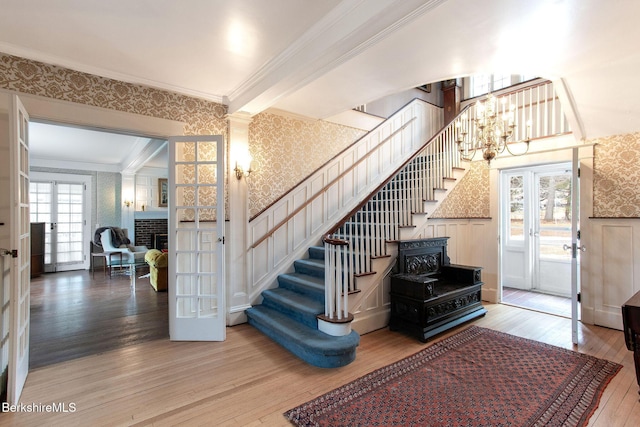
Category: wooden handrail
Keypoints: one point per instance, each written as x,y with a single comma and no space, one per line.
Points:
338,154
328,185
334,241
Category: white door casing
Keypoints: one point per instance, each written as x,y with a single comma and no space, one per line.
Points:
197,309
21,244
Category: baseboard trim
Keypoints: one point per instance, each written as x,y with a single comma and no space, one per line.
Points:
369,322
237,316
490,295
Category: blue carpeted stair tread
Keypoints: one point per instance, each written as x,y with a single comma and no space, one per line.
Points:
310,266
300,307
303,283
299,338
288,315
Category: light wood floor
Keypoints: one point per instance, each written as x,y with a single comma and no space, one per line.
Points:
537,301
248,380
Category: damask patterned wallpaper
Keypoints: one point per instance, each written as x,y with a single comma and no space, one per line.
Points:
616,176
470,198
286,150
37,78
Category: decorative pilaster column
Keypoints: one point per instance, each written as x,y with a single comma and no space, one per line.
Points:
238,225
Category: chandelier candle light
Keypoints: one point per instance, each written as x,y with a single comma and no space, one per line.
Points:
492,130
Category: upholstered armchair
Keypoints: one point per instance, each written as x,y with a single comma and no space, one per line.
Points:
158,263
128,256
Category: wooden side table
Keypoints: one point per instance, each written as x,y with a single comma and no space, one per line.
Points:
105,255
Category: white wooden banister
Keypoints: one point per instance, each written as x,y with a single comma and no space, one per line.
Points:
363,234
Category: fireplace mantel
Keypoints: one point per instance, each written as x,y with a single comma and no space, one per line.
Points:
160,214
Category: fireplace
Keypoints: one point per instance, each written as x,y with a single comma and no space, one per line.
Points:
160,241
146,229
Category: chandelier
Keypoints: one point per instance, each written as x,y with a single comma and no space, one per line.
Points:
490,131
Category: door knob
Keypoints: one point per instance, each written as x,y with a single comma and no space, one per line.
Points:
566,247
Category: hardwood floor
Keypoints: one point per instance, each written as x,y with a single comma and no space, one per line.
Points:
74,315
538,301
248,380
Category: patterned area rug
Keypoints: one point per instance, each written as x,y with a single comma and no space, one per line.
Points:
478,377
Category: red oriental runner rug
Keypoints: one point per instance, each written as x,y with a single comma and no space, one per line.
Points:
477,377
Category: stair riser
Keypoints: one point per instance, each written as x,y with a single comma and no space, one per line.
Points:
316,252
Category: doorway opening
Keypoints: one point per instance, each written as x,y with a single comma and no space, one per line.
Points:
536,237
80,178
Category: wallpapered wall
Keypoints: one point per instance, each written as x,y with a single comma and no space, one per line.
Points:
37,78
616,180
286,150
616,183
470,198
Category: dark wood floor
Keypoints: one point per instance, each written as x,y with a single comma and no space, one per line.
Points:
537,301
73,315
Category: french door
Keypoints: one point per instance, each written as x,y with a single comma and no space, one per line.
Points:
196,238
537,229
20,273
62,203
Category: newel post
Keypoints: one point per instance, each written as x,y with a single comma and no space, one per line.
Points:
336,320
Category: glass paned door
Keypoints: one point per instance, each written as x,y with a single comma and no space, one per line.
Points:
536,217
20,272
553,232
516,256
196,227
61,205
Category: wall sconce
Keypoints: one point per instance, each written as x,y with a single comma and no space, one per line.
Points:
243,168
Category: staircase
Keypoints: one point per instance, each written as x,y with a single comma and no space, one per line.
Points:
288,315
359,250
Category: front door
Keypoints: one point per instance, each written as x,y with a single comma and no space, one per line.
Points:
196,238
21,246
536,227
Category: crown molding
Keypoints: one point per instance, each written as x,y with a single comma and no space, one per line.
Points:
348,30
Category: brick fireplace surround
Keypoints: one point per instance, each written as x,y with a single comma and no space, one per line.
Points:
146,228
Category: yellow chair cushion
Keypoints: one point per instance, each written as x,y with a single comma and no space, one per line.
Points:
156,258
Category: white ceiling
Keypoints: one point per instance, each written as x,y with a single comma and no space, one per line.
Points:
320,58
